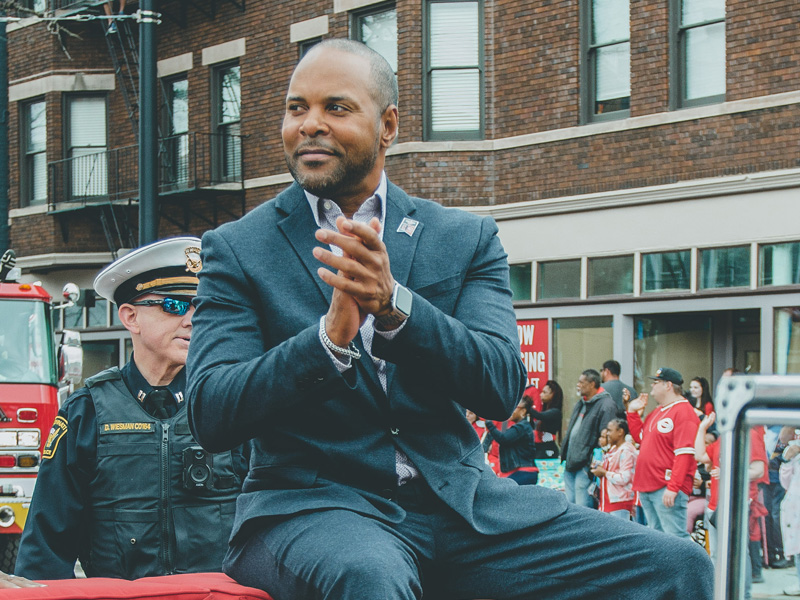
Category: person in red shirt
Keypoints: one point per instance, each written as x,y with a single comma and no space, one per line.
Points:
707,452
665,468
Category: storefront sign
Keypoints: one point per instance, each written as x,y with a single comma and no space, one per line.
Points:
533,339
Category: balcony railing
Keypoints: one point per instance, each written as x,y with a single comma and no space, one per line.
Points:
186,162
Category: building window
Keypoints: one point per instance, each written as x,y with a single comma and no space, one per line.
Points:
175,146
779,264
578,344
227,123
37,6
521,281
725,267
559,279
699,51
611,276
306,45
86,146
681,341
787,340
377,28
34,150
607,65
454,71
666,271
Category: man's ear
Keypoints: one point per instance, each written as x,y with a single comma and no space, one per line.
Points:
389,126
128,316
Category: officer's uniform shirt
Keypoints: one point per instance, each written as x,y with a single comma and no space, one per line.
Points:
55,531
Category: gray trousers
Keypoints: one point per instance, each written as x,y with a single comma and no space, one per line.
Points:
339,554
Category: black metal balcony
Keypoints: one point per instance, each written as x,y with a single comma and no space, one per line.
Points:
187,162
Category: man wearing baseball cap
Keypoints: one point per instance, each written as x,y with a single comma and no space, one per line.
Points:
123,485
666,464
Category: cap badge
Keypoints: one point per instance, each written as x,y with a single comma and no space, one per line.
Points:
193,262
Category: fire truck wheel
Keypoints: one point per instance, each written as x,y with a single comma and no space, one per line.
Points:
9,546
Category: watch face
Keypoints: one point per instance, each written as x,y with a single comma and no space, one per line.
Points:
402,300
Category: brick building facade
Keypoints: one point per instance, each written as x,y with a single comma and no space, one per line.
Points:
641,158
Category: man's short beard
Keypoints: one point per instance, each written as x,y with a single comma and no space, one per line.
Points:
346,176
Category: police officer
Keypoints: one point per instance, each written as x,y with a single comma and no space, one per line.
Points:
123,485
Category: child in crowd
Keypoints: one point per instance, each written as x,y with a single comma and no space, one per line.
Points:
616,471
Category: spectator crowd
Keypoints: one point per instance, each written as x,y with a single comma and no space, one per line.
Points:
659,465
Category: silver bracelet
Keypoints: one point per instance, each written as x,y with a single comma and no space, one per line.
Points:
352,351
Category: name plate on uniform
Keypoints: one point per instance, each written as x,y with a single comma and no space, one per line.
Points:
127,428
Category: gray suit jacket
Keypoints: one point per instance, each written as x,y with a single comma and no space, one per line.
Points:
322,439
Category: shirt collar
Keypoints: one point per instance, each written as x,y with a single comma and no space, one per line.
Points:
139,386
368,207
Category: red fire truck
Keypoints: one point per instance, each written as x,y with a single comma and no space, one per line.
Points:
36,374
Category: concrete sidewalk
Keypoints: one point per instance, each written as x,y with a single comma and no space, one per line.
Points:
775,582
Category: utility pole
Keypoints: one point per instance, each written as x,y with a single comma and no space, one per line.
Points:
148,126
5,233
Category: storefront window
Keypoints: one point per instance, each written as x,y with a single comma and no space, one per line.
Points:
787,340
666,271
73,317
579,344
725,267
779,264
98,314
679,341
98,356
521,281
559,279
611,276
115,315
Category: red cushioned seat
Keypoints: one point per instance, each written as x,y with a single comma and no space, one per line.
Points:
194,586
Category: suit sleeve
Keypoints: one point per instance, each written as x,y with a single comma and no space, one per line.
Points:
56,525
236,383
473,354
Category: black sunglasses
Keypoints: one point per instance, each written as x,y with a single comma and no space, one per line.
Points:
168,305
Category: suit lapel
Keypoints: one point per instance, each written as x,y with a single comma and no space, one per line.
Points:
298,226
400,246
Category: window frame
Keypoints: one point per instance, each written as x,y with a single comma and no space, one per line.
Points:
373,9
303,46
588,71
459,135
218,127
677,56
67,99
26,166
170,142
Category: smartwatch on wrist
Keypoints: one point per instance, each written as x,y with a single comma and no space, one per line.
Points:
401,308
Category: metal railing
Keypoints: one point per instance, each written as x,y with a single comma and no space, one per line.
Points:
187,162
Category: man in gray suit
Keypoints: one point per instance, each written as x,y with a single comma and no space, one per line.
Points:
337,325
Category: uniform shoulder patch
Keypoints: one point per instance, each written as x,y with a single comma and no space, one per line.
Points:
57,431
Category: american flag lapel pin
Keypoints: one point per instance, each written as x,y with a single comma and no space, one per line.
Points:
408,226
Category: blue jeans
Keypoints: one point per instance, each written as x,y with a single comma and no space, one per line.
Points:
669,520
525,477
575,485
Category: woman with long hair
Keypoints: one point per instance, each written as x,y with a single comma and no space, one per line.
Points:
548,421
701,393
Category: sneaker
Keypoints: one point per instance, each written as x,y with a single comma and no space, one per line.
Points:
758,578
780,563
792,592
111,28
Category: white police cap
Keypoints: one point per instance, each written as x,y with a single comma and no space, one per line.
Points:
164,267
